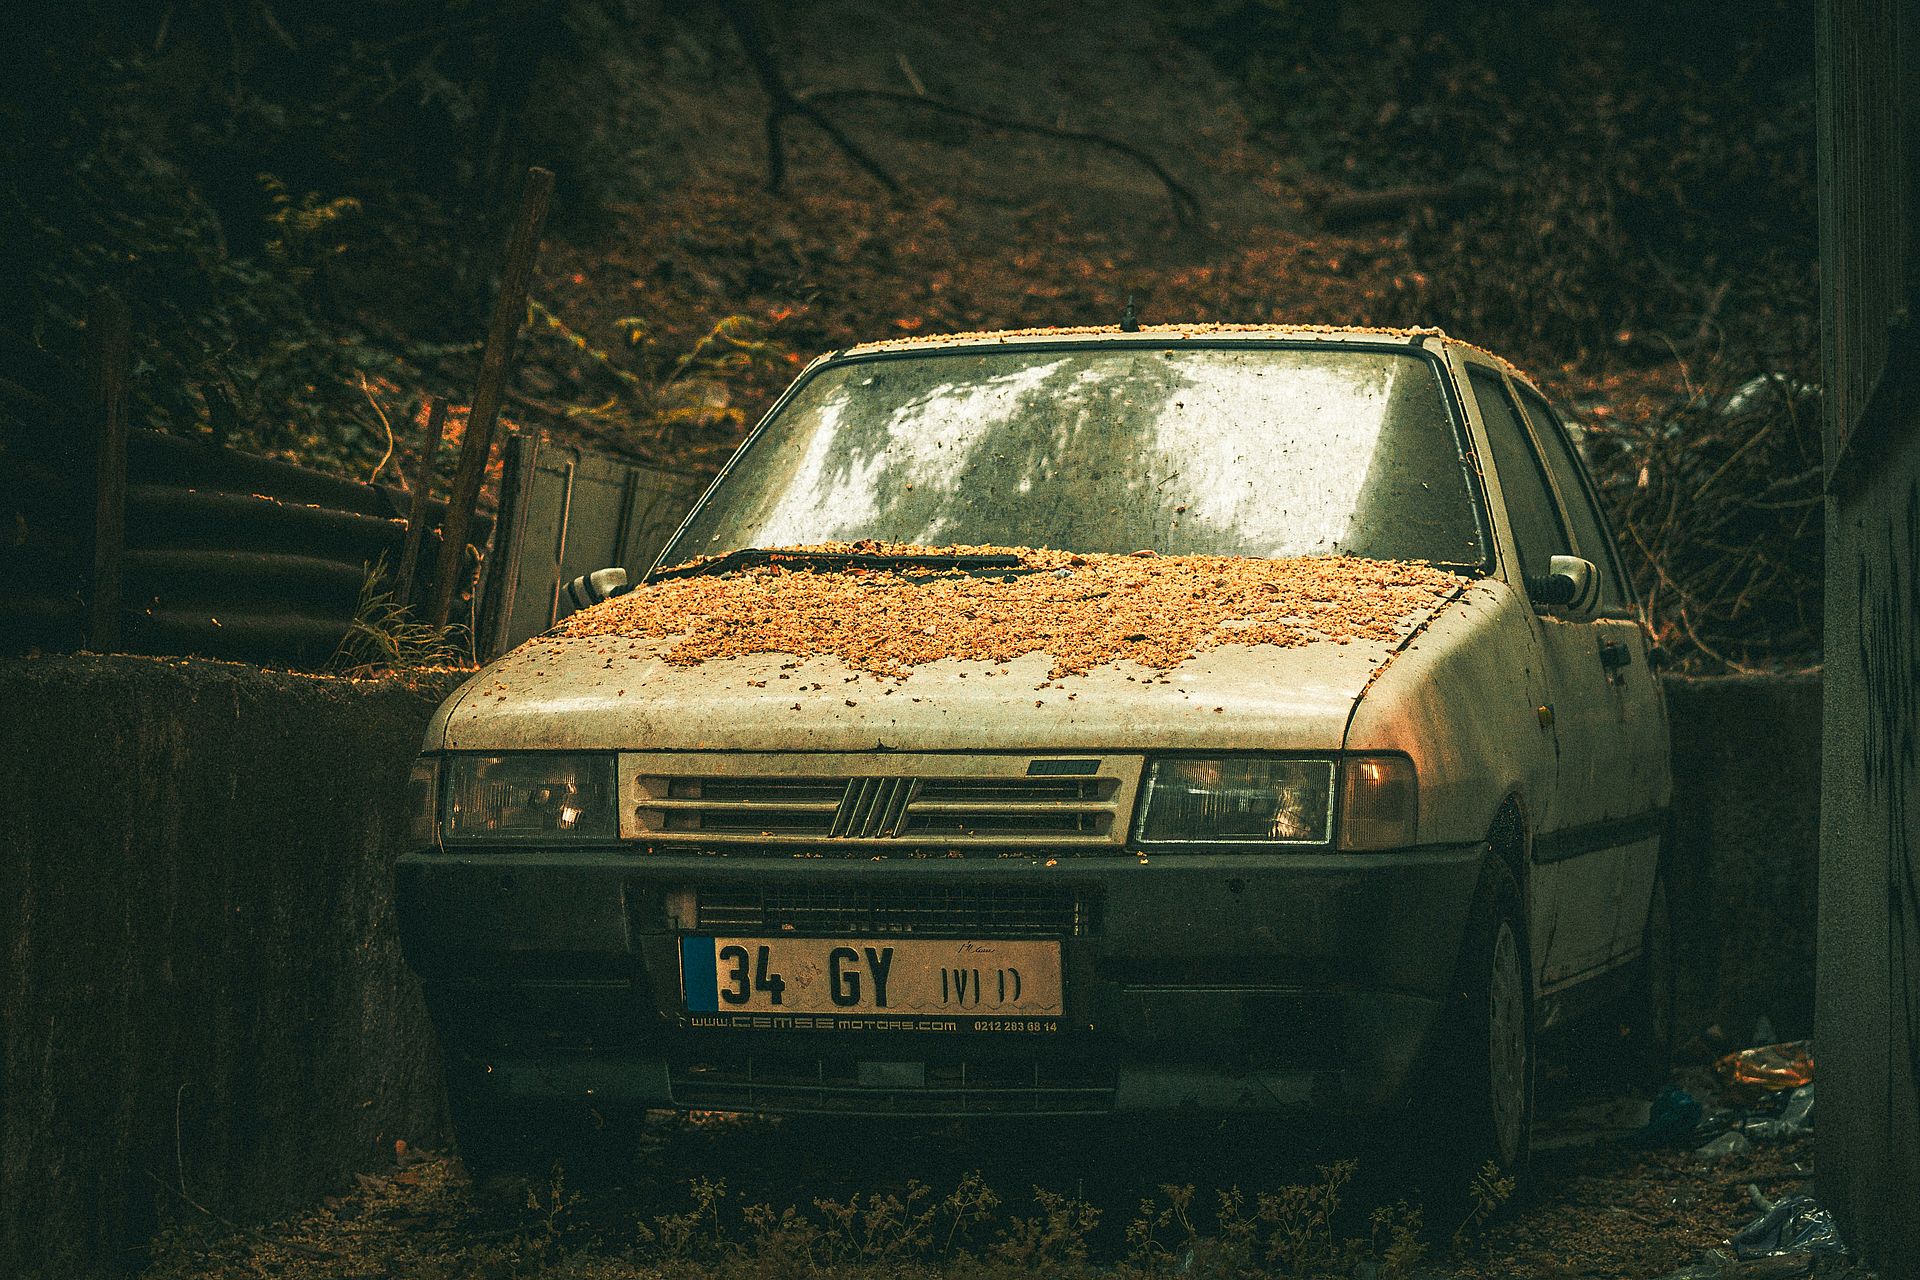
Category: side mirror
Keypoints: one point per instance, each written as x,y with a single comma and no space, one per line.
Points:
602,584
1571,583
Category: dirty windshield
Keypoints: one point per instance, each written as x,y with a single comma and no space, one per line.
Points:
1257,451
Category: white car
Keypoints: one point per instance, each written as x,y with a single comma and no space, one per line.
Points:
904,785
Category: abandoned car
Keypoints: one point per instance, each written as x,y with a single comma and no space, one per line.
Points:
1235,718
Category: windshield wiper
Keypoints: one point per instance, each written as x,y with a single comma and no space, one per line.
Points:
831,561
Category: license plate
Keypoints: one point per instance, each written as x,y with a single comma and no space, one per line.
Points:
854,984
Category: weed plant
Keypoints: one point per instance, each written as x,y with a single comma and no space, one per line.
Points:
423,1223
1299,1231
386,638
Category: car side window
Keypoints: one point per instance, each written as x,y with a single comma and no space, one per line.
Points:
1589,529
1538,532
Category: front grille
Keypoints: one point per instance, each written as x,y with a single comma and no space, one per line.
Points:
865,801
930,911
789,1084
887,808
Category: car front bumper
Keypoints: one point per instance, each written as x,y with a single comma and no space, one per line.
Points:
1224,982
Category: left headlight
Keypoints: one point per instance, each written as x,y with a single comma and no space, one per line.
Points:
527,798
1237,800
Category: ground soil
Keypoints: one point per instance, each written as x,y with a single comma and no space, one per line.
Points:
1597,1207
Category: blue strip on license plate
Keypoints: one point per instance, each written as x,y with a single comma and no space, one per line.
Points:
698,976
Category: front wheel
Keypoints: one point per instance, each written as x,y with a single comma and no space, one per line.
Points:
1482,1113
1509,1078
508,1144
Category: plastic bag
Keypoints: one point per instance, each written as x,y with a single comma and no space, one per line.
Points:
1725,1147
1671,1120
1795,1224
1794,1121
1771,1068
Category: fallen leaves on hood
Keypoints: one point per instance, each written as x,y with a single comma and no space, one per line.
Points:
1082,611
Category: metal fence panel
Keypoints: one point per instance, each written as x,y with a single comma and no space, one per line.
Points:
566,511
224,555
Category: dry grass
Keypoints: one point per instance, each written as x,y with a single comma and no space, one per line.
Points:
385,638
1610,1213
421,1222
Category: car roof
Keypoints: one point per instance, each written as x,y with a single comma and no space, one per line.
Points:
1207,332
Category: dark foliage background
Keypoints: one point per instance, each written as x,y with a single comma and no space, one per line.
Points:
291,197
1654,171
303,202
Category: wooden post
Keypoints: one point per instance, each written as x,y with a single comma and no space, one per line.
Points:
419,492
517,480
109,342
509,309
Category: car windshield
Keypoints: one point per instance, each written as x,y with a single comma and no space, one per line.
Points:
1114,447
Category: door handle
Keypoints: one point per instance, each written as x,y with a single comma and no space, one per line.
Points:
1615,655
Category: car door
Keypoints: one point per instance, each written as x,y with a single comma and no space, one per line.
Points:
1637,784
1575,880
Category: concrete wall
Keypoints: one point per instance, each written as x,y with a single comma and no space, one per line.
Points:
203,995
1745,853
1869,1025
1868,128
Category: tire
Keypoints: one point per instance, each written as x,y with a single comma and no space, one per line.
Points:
498,1142
1649,1013
1482,1111
505,1145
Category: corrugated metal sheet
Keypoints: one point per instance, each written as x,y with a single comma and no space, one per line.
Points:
225,555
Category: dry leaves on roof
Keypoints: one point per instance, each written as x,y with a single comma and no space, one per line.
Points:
1172,332
1083,611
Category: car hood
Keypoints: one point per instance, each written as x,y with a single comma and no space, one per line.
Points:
618,693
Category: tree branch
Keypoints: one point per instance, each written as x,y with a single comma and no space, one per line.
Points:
783,102
1186,207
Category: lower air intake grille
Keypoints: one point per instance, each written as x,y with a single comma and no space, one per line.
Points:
932,911
796,1084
